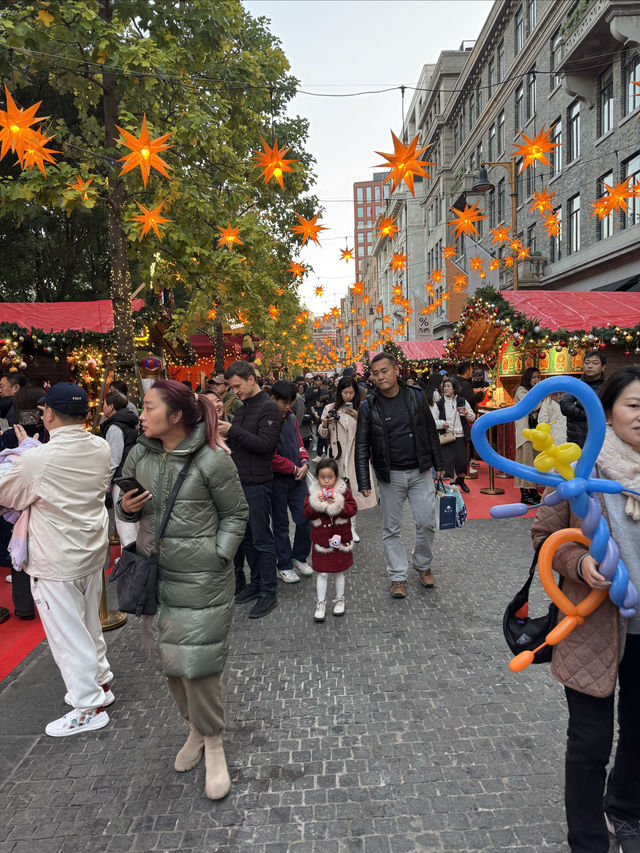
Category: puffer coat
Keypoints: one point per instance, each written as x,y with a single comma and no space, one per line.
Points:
196,580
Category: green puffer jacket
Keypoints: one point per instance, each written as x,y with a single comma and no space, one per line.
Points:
196,581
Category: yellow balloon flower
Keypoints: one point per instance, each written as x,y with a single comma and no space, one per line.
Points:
551,455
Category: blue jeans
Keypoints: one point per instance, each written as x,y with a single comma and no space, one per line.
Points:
258,544
287,493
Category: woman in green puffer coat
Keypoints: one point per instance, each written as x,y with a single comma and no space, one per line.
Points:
196,582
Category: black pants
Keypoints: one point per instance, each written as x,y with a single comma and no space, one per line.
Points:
589,742
21,594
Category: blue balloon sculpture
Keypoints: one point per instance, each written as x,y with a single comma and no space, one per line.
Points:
579,491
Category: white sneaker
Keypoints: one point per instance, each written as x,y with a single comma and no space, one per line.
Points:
356,538
338,606
109,698
303,569
8,578
287,575
321,609
76,722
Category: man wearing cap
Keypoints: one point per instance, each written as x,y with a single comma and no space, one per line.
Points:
229,398
63,485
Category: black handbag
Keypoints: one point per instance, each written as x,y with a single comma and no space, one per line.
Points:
522,633
137,575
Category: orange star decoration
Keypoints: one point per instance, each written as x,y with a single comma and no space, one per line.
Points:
398,261
542,201
81,186
436,276
308,228
600,208
405,163
346,255
449,252
515,245
273,162
150,219
17,130
535,148
36,153
494,264
500,234
387,226
552,225
523,253
229,237
144,152
274,312
476,263
463,222
617,196
319,290
296,270
508,261
317,324
460,283
358,288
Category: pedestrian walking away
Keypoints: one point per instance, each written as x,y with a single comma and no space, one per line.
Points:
397,433
330,506
606,649
62,485
188,637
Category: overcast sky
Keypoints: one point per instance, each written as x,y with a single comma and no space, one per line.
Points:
342,46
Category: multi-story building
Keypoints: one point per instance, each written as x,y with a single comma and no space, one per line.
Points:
369,198
536,63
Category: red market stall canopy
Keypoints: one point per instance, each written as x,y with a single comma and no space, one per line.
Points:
416,350
60,316
576,309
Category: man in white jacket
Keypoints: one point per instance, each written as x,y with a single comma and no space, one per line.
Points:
63,484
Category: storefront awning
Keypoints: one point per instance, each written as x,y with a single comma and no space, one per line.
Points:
62,316
576,309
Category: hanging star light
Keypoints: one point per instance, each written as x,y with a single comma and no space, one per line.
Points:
523,252
296,270
449,252
460,283
494,264
500,234
616,198
150,219
229,236
436,276
508,261
274,312
273,162
398,261
542,201
600,208
387,226
405,163
308,228
319,290
476,263
17,128
463,221
81,186
346,254
36,153
552,225
535,148
358,288
144,152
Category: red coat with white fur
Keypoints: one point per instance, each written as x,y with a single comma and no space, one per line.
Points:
327,520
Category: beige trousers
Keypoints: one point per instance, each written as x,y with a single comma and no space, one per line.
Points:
199,700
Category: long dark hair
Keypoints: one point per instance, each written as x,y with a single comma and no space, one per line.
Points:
195,409
434,384
347,382
615,385
526,377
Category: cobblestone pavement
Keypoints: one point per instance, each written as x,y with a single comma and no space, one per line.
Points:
396,728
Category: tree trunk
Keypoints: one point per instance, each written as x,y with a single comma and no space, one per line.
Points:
219,350
120,281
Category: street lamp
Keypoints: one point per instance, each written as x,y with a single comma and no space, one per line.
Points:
484,184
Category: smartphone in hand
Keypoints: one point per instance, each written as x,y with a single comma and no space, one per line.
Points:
127,484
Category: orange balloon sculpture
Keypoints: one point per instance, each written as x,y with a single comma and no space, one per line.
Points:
574,613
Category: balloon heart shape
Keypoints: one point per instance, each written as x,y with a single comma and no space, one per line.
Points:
574,613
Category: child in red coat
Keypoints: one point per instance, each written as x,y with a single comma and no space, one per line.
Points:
330,506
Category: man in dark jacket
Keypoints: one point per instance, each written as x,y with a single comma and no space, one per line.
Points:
396,431
463,375
120,429
593,374
253,437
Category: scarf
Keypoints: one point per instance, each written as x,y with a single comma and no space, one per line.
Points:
619,461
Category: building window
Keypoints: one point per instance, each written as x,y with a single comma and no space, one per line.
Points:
361,251
519,182
501,207
492,209
361,237
377,191
531,15
478,101
555,155
531,239
631,169
491,80
472,112
531,178
531,93
501,133
519,31
472,161
556,41
501,62
604,226
555,246
359,196
456,138
491,148
368,193
605,102
573,130
479,154
387,189
461,125
360,212
573,206
519,110
631,72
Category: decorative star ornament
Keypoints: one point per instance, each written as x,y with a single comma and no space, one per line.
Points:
500,234
81,186
542,202
449,252
552,225
17,128
358,288
463,221
274,312
272,162
297,270
398,261
36,153
319,290
144,152
476,263
387,226
616,198
436,276
535,148
494,264
346,254
229,237
405,163
150,219
308,228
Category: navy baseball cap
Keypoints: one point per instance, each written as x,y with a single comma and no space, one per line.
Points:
67,398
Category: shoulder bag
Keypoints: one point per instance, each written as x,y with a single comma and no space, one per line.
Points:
137,575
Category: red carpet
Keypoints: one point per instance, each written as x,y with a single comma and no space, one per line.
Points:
478,505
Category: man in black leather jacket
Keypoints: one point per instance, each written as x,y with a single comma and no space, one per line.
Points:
396,431
593,374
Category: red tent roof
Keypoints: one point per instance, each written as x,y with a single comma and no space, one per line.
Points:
576,309
59,316
422,349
